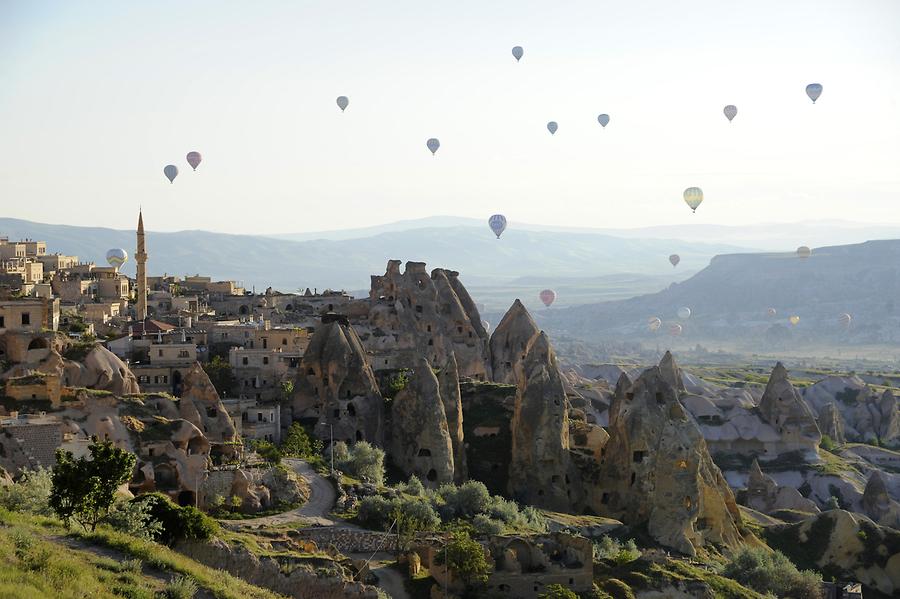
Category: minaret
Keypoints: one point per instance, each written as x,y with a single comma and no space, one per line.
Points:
140,259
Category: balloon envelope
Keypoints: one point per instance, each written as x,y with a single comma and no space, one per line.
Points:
794,320
675,330
845,319
693,196
730,112
804,252
518,53
194,158
171,171
548,296
684,313
343,102
771,312
433,145
552,127
603,119
497,223
654,323
116,257
814,90
674,259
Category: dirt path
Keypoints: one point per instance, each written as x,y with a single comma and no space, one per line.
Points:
314,512
390,580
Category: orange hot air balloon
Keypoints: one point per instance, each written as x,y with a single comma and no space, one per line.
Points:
548,296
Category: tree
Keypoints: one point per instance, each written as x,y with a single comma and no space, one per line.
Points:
412,516
772,572
557,591
267,451
287,389
298,444
220,374
363,461
465,558
84,490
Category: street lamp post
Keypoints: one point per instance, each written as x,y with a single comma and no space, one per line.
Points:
331,429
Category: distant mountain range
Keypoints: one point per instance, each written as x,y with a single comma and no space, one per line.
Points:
729,300
585,263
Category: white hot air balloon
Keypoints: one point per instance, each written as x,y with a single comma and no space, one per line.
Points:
804,252
814,90
497,223
343,102
603,119
730,112
433,144
693,196
116,257
552,127
653,324
684,313
518,53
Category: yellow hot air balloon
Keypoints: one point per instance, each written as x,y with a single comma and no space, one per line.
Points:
794,320
653,323
693,196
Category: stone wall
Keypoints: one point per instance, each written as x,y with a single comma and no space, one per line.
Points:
349,540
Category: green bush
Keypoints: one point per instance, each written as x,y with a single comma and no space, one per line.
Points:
30,494
134,518
297,443
181,587
557,591
616,589
363,461
616,551
827,443
177,523
772,572
414,486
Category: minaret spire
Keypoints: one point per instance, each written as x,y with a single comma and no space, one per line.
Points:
140,258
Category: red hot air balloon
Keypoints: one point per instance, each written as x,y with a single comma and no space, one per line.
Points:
194,158
548,296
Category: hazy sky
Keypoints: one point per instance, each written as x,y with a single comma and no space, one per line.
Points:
96,97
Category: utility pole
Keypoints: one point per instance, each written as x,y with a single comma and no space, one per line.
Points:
331,428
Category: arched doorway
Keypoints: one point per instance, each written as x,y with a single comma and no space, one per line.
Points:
39,343
176,383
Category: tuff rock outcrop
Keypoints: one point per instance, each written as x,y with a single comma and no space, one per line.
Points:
100,369
783,408
657,471
877,502
413,314
448,380
201,406
509,342
889,424
540,430
336,386
831,424
764,495
420,438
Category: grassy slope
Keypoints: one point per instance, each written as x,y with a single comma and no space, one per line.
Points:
36,560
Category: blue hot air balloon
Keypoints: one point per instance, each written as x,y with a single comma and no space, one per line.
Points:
433,145
497,223
171,171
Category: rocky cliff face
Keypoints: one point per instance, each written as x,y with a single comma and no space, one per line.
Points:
509,342
783,408
336,386
448,380
420,437
831,423
540,430
200,405
413,314
877,503
657,471
766,496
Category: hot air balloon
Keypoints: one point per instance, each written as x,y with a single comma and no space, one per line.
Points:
804,252
343,102
675,329
771,312
730,112
684,313
552,127
433,145
794,320
693,196
674,259
116,257
548,296
845,320
486,325
814,90
194,158
654,323
518,53
603,119
171,171
497,223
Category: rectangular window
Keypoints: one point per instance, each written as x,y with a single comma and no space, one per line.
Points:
160,353
265,359
2,322
245,361
26,319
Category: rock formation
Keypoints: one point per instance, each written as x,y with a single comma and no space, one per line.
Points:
764,495
448,380
877,502
657,471
420,438
412,314
201,406
509,342
889,424
336,387
783,408
540,430
830,423
104,370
